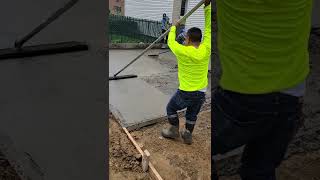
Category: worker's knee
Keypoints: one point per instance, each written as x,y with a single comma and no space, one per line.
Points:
170,109
173,106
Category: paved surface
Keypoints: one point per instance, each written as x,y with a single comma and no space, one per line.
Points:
144,66
133,101
53,107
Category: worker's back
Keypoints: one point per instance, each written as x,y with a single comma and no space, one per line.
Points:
193,68
263,44
193,61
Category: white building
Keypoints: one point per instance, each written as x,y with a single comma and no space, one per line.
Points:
153,10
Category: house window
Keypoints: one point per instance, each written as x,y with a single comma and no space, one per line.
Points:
183,7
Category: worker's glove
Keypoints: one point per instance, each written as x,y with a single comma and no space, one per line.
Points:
207,2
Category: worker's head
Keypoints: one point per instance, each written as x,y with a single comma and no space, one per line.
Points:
164,15
194,36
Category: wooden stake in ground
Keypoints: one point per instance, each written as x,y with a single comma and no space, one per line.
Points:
145,161
145,158
133,141
154,172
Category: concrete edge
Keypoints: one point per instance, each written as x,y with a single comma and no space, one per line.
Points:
22,163
149,122
116,114
133,46
145,123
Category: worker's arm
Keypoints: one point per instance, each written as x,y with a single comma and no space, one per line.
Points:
175,47
207,31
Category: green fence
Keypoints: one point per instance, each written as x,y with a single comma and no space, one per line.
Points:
124,29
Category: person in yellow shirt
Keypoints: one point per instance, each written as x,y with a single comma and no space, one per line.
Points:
263,52
193,62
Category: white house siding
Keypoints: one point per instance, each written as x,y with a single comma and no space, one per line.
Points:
148,9
197,18
153,10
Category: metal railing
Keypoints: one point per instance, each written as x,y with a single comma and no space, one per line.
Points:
123,29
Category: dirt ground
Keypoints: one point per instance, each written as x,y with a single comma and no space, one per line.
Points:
303,166
172,159
124,159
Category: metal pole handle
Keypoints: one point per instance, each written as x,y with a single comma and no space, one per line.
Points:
18,43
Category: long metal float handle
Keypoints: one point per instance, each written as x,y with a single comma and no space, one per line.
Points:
18,43
162,36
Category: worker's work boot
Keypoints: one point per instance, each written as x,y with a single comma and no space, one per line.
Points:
171,132
186,136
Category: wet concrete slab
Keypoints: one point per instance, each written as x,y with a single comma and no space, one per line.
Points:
134,102
144,66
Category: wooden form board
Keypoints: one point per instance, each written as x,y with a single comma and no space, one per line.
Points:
145,154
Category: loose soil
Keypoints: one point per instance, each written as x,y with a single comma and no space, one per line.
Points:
124,159
172,159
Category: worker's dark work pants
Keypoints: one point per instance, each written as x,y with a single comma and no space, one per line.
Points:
181,100
165,39
265,124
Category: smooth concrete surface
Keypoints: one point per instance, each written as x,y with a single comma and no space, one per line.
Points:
133,101
136,103
144,66
53,107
